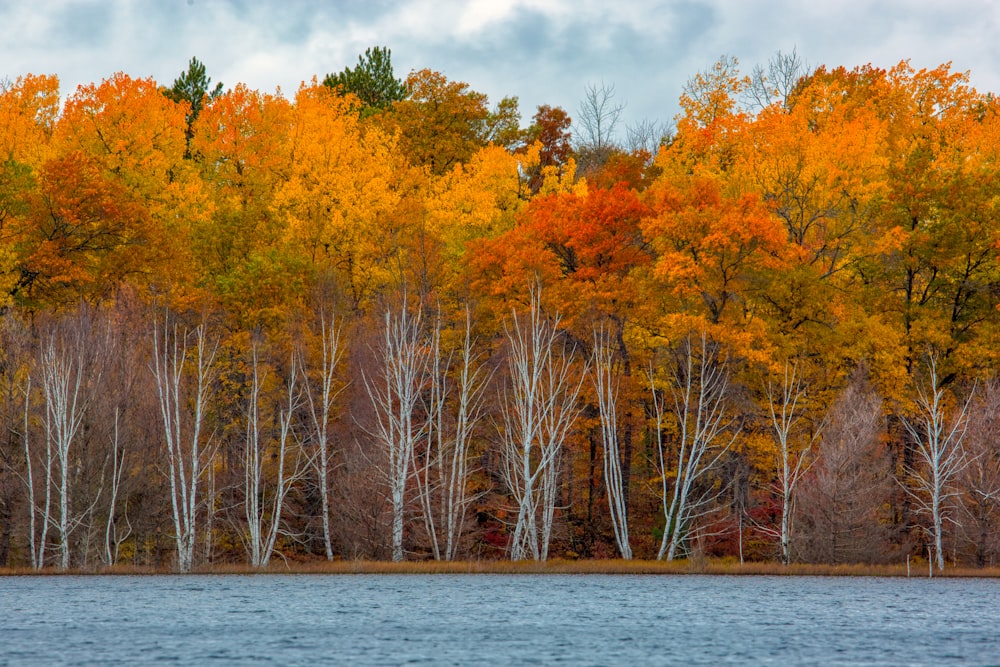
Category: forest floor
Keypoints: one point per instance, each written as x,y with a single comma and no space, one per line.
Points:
582,567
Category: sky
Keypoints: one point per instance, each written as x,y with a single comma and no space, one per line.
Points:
541,51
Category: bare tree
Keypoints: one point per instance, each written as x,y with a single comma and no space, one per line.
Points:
442,476
183,414
647,136
940,457
538,409
606,384
841,509
263,503
320,390
395,396
699,386
775,83
596,122
980,481
793,439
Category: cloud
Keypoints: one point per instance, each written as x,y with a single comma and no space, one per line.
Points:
542,51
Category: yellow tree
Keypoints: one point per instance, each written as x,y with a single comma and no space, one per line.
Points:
471,203
937,274
444,122
241,145
819,167
345,202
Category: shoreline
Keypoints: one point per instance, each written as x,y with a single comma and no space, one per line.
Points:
917,570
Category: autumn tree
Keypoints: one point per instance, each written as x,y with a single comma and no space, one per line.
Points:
550,128
131,138
444,122
242,138
341,209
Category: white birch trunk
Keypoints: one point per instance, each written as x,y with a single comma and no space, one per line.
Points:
112,540
785,410
319,397
699,391
939,451
538,410
263,505
395,395
454,408
606,386
187,457
67,386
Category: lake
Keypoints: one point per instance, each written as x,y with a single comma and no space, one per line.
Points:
497,619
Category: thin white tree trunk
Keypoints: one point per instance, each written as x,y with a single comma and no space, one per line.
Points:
538,410
112,540
940,452
395,396
443,477
320,399
606,385
785,410
186,456
699,391
63,367
263,506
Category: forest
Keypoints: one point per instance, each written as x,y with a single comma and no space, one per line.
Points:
381,319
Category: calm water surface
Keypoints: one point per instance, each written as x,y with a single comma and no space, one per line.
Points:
501,619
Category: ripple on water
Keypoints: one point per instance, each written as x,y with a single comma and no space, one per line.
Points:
482,619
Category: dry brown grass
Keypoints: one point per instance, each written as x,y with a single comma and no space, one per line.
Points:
726,567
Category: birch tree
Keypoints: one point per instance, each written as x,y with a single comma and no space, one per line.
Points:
793,442
39,515
183,388
263,501
113,538
538,409
698,389
319,391
454,408
69,368
606,384
937,431
394,393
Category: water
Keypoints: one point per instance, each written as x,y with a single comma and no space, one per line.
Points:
506,620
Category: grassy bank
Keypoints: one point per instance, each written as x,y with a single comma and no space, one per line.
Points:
582,567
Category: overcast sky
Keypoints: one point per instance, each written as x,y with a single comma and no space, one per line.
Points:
542,51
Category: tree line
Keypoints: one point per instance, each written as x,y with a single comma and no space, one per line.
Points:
381,319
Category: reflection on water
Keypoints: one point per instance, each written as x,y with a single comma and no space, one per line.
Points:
497,619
